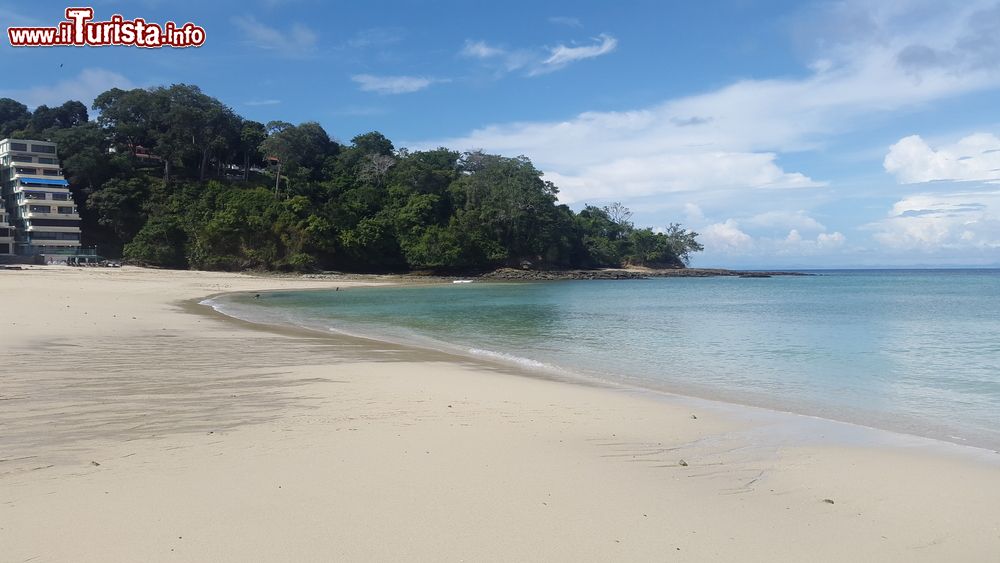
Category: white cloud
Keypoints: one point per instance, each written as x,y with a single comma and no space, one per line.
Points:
296,41
795,244
480,50
693,213
798,221
830,239
934,222
631,177
730,238
535,62
729,140
725,237
392,84
83,87
973,158
561,55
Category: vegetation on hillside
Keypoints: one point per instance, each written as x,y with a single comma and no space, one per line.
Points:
171,177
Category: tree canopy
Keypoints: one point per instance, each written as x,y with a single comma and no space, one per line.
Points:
172,177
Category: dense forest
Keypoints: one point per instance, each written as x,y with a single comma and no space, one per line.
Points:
172,177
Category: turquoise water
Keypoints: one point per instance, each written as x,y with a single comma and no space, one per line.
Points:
911,351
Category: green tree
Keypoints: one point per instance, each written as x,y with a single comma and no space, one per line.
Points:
373,143
252,134
14,116
508,206
682,242
70,114
279,147
86,162
161,242
119,206
130,118
295,149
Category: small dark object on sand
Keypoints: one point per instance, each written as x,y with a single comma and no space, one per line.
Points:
94,463
693,417
828,500
256,296
682,463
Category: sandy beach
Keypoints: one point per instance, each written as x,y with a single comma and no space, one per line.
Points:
139,426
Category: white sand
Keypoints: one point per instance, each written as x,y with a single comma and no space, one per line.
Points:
220,442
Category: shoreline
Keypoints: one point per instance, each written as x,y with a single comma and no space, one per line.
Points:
150,433
797,424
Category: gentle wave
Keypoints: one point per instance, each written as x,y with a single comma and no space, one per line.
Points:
511,358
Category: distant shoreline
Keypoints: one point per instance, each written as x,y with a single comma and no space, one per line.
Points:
630,274
514,274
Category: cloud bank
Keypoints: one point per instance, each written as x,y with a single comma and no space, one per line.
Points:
973,158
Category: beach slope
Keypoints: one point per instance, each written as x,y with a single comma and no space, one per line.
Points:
137,428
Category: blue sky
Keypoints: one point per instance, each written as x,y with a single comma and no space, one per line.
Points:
787,133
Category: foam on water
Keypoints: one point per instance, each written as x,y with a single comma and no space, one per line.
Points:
511,358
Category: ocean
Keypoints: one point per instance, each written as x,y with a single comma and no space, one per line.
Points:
911,351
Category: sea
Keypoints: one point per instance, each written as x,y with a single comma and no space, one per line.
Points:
910,351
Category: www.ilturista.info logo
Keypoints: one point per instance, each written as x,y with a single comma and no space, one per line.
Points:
78,30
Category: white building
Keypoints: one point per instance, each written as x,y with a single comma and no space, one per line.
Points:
6,232
38,201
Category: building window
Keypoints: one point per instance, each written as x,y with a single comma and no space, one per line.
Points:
48,149
45,235
46,160
40,208
22,158
21,170
60,197
34,195
50,172
54,223
67,210
4,233
19,147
